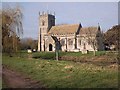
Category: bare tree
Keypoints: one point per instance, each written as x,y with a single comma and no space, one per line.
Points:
11,26
92,40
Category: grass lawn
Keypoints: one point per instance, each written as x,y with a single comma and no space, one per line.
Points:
64,74
51,55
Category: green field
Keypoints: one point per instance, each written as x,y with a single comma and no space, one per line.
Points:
51,55
63,74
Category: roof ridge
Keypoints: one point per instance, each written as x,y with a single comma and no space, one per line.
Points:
66,25
90,27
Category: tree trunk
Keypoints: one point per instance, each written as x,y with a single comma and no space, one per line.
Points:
57,55
94,52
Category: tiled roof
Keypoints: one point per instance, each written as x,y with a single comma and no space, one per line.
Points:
70,29
64,29
88,30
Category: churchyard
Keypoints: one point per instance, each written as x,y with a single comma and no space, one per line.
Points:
72,70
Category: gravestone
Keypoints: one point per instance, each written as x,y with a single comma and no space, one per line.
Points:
84,51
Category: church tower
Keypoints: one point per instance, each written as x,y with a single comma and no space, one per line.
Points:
46,21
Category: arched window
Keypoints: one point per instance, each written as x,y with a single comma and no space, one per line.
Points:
79,42
43,23
70,41
84,46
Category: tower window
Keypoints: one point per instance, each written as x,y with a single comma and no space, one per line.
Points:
43,23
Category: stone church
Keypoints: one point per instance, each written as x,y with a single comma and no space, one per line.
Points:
67,37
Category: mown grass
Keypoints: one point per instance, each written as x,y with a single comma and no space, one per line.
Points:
64,74
51,55
102,57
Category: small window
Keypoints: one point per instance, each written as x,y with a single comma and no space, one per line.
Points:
43,23
84,46
70,41
89,42
79,42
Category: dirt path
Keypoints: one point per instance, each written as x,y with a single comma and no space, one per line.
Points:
14,79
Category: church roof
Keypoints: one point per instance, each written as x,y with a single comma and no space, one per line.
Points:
88,30
73,28
64,29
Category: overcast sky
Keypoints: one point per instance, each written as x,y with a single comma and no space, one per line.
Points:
86,13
